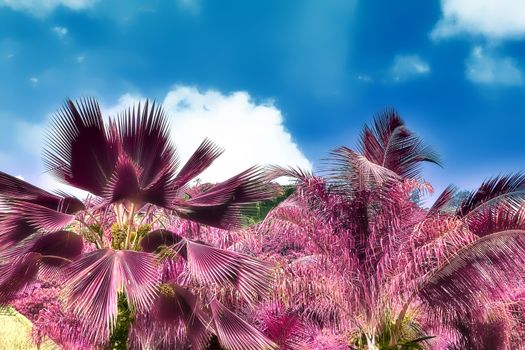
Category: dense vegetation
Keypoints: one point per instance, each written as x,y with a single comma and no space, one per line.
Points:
348,259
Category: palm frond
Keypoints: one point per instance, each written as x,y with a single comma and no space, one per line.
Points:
79,150
94,280
249,276
139,277
390,144
351,171
236,334
124,182
177,304
40,256
482,271
246,187
14,229
14,188
56,250
17,274
27,205
199,161
158,238
41,217
274,172
501,217
443,200
58,247
144,135
222,205
282,326
508,188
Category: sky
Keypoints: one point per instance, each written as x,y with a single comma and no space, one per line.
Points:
274,82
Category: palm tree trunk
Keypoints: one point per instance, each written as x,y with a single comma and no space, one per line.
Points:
119,336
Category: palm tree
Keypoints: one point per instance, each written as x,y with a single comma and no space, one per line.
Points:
109,254
360,257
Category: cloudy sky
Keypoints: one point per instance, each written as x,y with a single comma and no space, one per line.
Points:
275,81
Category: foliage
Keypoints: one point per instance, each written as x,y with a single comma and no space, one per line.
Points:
262,208
348,260
15,333
122,256
358,255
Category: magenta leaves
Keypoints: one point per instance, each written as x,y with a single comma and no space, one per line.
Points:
79,149
282,326
28,208
199,161
43,256
249,276
484,271
234,333
176,304
14,229
132,161
144,136
354,172
372,249
509,188
146,165
222,205
95,279
129,167
390,144
159,238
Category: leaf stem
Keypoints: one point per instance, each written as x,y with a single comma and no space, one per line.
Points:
56,257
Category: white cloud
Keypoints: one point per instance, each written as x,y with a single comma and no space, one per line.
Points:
124,102
407,67
252,133
41,8
33,80
60,31
81,58
20,177
495,19
486,68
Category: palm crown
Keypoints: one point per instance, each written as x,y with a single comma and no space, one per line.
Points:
119,242
386,269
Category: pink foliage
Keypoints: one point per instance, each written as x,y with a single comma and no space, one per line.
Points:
350,258
41,305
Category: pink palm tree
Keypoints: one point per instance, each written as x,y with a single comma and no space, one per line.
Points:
359,257
115,246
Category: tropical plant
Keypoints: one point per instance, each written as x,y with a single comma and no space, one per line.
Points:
359,257
118,257
41,305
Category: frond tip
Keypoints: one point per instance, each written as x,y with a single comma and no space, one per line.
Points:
79,150
483,271
353,171
222,205
509,188
391,144
235,334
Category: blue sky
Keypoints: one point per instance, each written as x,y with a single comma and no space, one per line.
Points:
296,78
